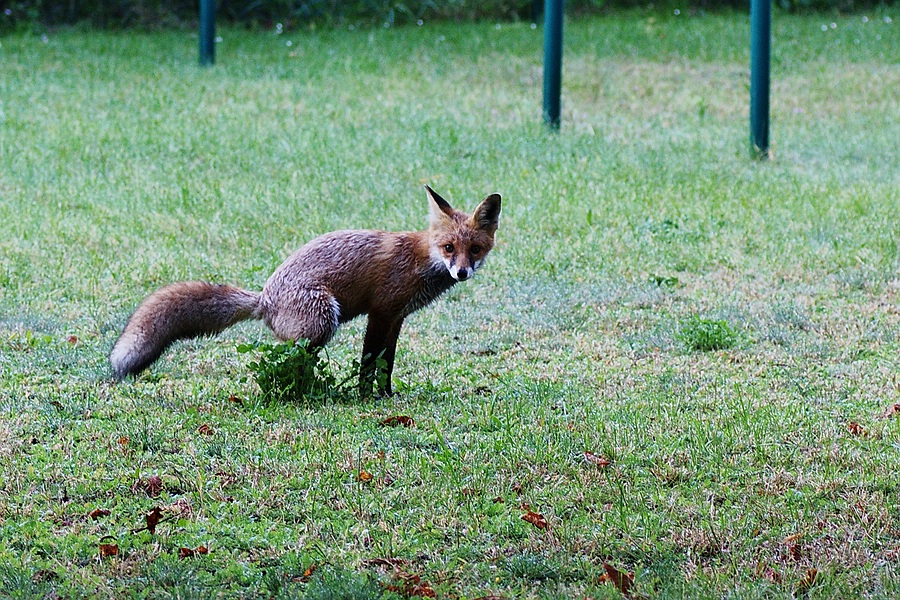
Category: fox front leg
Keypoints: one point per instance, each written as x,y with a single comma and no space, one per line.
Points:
380,342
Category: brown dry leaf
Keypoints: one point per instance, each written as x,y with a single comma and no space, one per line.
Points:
791,538
536,519
384,562
152,518
107,549
72,339
772,575
622,580
594,459
793,545
152,485
180,508
235,400
123,441
206,429
808,581
855,428
411,586
191,552
364,477
99,512
498,500
891,411
308,572
44,575
399,420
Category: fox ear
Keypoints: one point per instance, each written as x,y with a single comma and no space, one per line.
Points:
487,214
438,208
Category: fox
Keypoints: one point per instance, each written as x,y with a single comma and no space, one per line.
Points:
329,281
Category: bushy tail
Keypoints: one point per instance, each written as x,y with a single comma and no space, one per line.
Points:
179,311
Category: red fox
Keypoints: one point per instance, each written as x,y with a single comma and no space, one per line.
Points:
329,281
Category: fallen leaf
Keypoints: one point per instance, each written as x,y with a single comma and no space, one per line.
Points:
891,411
384,562
498,500
180,508
152,518
234,399
364,477
808,581
206,429
308,572
152,486
411,586
191,552
594,459
99,512
72,340
536,519
399,420
855,428
107,550
772,575
44,575
621,579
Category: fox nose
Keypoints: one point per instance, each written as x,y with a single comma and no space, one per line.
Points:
462,274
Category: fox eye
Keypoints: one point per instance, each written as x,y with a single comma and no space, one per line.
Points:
475,249
448,248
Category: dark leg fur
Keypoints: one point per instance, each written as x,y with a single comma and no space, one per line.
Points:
380,342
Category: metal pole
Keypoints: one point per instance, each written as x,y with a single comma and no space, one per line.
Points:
553,33
207,32
760,61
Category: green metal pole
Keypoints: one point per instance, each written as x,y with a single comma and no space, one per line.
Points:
553,33
760,61
207,32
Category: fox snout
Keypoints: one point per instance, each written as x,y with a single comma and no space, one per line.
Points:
461,274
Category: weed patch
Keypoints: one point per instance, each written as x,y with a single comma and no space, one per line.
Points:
703,334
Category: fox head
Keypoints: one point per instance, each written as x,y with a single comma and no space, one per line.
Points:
458,240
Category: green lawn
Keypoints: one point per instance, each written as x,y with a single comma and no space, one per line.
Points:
723,332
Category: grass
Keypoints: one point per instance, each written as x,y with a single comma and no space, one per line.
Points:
733,469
